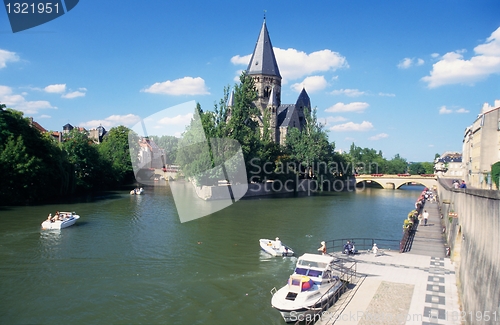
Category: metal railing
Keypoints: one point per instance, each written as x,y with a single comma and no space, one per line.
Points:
337,245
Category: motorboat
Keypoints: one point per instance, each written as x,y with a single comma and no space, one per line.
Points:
63,220
137,191
275,247
311,287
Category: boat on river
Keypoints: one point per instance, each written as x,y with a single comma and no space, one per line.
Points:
137,191
275,247
64,220
311,286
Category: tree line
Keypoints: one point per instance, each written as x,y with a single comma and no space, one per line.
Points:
37,168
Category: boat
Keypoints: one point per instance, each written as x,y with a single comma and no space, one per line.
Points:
312,286
275,247
137,191
64,220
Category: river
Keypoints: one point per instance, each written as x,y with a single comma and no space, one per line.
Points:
130,260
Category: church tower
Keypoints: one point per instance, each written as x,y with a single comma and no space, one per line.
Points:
263,68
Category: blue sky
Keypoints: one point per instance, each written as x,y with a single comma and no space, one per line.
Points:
403,77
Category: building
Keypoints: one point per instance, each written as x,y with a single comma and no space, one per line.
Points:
449,164
263,68
97,134
150,155
481,146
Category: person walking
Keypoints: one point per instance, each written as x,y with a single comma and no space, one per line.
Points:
426,217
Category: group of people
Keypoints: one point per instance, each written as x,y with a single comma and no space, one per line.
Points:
456,184
56,217
348,248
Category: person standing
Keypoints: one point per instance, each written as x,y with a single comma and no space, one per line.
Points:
375,249
322,249
426,217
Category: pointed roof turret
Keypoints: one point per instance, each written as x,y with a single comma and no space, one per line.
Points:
273,101
303,100
230,101
263,60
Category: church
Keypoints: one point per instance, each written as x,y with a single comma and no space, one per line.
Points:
263,68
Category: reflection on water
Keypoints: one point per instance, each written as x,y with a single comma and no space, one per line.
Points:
129,259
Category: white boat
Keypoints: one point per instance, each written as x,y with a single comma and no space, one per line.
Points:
65,220
275,247
309,288
137,191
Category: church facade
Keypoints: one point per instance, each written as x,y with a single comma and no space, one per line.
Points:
263,68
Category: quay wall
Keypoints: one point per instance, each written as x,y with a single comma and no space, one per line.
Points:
473,234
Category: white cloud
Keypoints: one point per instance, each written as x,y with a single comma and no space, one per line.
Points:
56,88
7,56
348,92
311,84
74,94
112,121
351,107
44,116
409,62
334,119
182,86
19,103
452,68
176,120
351,126
387,94
237,60
378,136
444,110
294,64
435,55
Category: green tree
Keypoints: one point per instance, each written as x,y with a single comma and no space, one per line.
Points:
310,147
428,167
169,144
397,165
31,163
114,150
91,171
495,174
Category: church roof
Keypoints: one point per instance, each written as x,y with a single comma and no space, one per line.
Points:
285,113
263,60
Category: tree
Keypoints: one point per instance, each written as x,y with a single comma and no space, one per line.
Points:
397,165
31,164
310,148
114,150
495,174
90,170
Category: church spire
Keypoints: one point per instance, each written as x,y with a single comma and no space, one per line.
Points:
263,61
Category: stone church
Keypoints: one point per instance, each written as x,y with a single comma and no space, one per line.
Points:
263,68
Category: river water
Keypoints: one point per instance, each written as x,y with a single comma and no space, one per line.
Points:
130,260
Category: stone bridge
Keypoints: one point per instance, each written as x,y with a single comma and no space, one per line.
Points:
396,181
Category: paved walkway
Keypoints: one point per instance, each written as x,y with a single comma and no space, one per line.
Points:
418,287
428,240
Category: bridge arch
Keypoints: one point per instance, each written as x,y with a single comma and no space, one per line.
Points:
396,181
